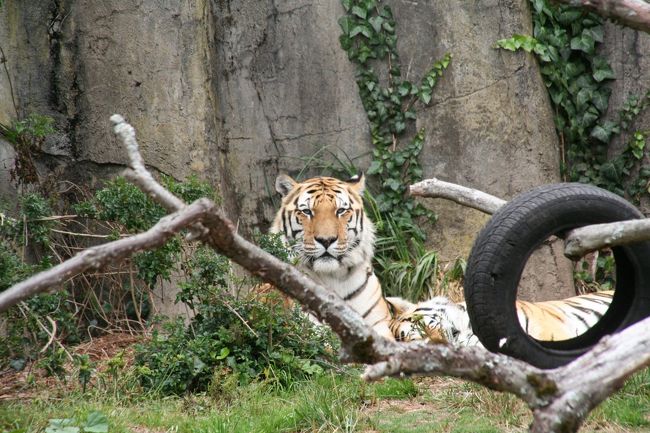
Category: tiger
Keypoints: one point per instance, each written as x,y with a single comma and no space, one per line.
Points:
323,222
441,320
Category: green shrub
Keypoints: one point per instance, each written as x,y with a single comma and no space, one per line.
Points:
91,302
229,337
251,339
247,337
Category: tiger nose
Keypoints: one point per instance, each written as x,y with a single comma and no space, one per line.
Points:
326,242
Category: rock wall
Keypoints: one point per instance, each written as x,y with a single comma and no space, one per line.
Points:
629,54
237,91
287,99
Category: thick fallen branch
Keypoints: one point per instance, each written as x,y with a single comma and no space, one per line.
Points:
460,194
590,238
578,242
590,379
630,13
560,399
95,258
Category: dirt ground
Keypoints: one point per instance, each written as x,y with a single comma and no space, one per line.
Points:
32,381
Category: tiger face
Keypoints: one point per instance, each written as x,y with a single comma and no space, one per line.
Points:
324,222
438,320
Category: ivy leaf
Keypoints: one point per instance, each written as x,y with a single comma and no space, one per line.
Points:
346,43
573,69
376,23
609,171
375,168
556,95
569,16
601,134
393,184
446,60
589,117
345,22
404,88
386,12
364,54
507,44
600,99
542,52
605,73
585,42
517,41
584,97
410,114
596,33
425,96
364,30
360,12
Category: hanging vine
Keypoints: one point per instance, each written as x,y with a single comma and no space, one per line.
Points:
565,42
370,41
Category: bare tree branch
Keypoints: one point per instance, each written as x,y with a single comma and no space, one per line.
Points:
630,13
460,194
578,242
590,379
590,238
95,258
140,175
495,371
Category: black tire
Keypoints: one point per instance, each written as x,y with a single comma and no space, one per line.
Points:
503,247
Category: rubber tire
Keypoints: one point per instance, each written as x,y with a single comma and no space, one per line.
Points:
503,246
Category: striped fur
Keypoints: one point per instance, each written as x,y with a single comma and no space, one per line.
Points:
440,320
323,221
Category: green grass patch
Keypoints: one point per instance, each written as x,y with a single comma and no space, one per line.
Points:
630,406
332,402
395,389
397,421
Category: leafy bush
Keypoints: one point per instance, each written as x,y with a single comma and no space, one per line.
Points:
27,136
229,337
91,302
251,339
27,325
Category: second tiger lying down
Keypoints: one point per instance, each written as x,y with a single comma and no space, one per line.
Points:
441,320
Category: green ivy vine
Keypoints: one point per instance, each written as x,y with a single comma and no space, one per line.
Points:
370,41
565,42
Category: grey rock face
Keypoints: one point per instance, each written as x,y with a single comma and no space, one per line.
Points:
237,91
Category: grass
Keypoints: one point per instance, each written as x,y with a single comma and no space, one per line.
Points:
335,402
330,403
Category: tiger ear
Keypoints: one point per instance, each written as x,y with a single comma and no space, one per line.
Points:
398,306
284,184
358,183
